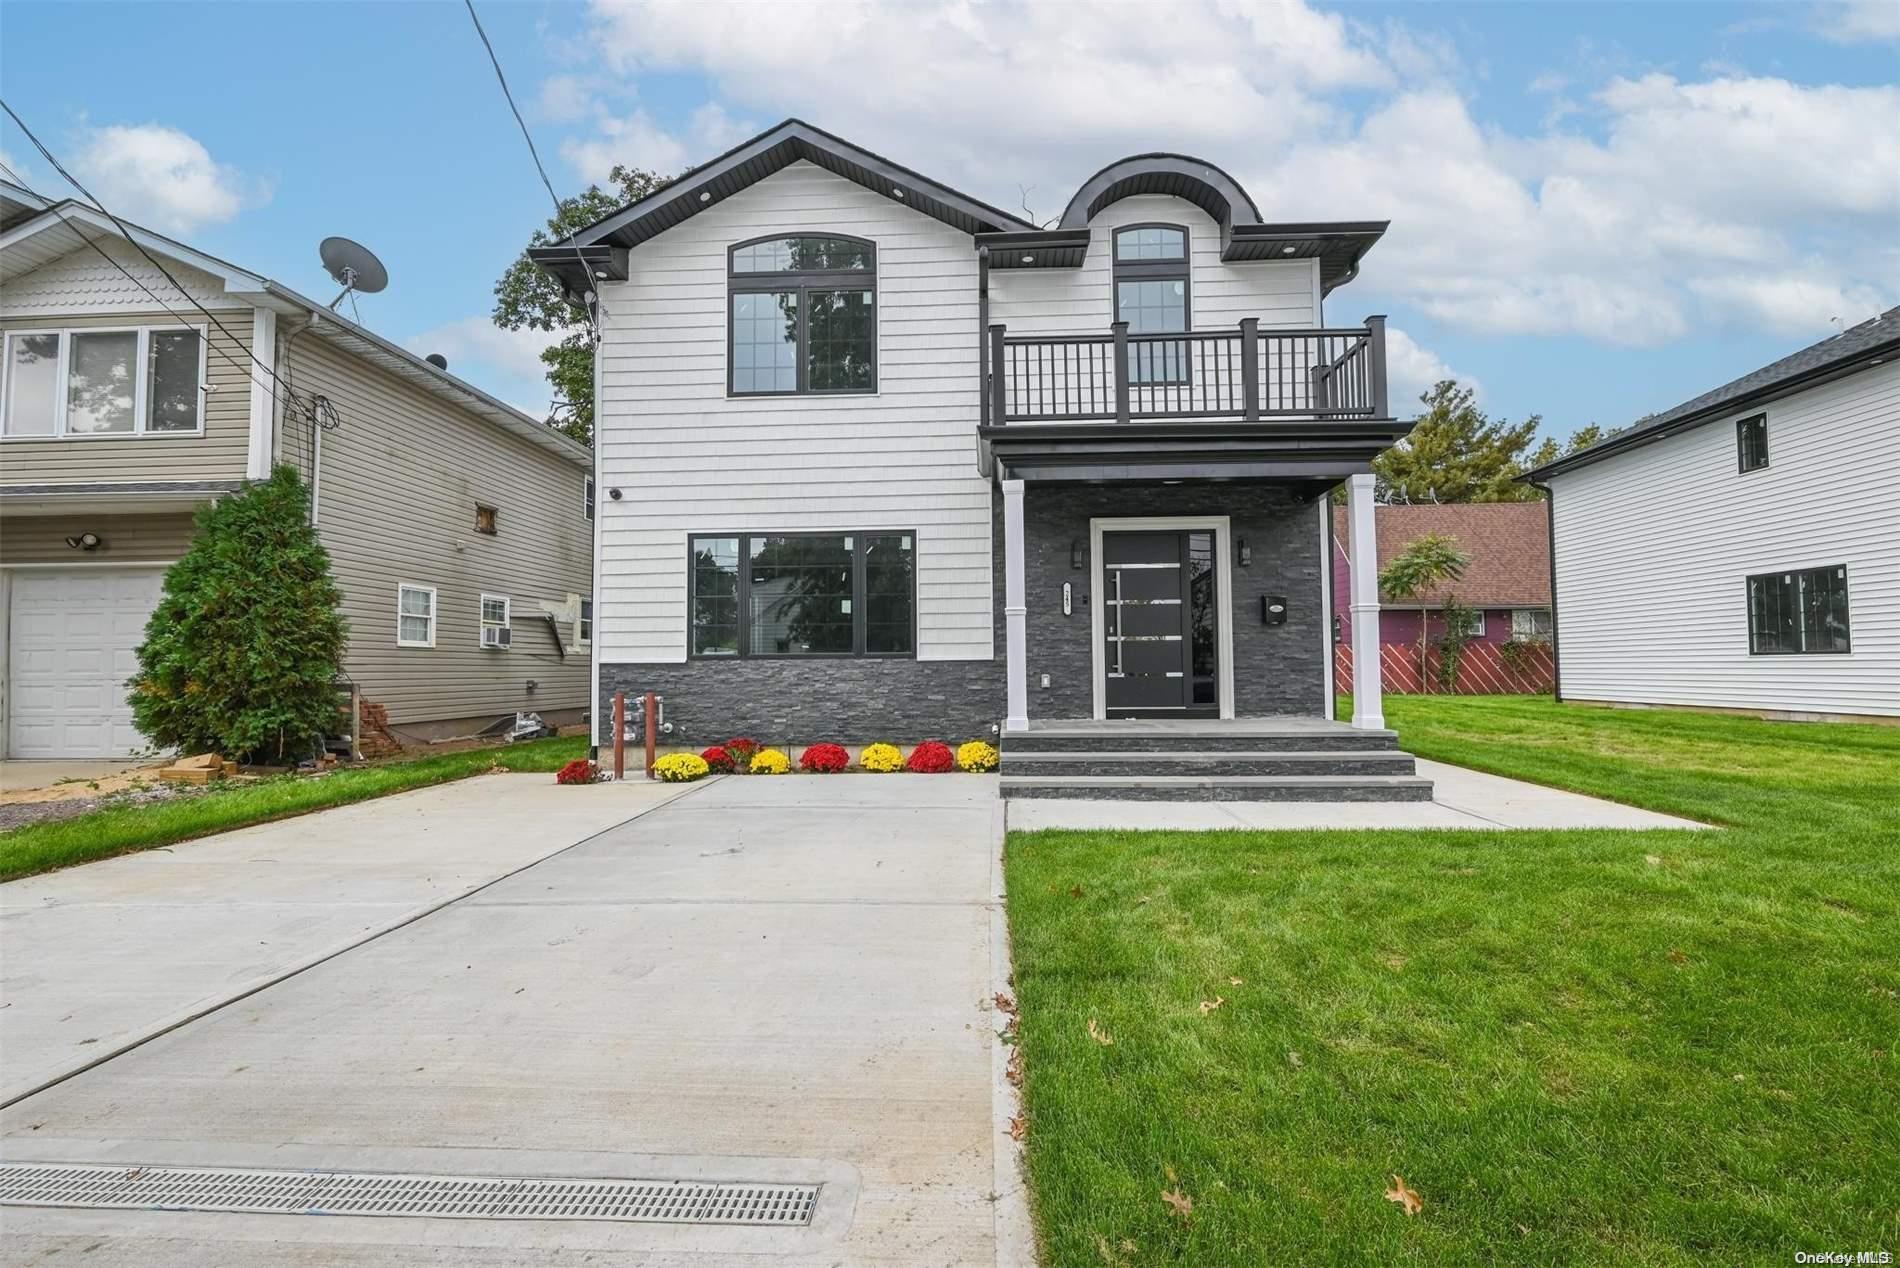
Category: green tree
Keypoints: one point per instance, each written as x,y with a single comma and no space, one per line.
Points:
1589,434
528,299
1455,453
242,653
1428,561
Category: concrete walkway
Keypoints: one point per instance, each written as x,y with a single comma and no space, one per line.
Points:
764,979
96,957
1461,798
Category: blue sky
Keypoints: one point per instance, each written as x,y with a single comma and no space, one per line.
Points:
1598,209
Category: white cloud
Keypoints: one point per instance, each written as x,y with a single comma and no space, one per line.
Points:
161,177
1640,207
514,353
565,98
1411,369
1854,21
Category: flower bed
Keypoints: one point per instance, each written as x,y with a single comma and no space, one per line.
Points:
681,768
932,757
742,747
718,760
578,771
768,761
881,759
977,756
824,759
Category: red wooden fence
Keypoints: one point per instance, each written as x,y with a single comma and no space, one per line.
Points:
1482,670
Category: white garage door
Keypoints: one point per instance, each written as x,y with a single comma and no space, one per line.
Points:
72,639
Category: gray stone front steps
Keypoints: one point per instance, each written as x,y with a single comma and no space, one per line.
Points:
1220,788
1206,765
1225,737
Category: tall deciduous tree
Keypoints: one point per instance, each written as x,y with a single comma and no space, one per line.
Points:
1427,562
528,299
242,653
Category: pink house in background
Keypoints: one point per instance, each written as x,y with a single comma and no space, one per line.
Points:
1507,581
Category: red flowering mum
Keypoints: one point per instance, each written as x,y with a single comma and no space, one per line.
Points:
578,771
932,757
742,747
824,759
717,760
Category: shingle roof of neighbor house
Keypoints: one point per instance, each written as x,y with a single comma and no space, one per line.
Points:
1855,348
1509,545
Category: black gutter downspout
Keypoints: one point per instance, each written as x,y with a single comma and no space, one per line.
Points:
1550,531
982,331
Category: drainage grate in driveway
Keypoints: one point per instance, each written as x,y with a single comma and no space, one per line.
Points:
438,1197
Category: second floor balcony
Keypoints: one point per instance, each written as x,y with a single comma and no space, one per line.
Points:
1242,373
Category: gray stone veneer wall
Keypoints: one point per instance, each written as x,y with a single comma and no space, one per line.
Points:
1278,669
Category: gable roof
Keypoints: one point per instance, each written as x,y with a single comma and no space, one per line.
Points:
1855,348
1509,545
61,228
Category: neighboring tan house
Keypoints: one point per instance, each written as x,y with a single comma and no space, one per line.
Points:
1506,582
880,461
1742,550
458,527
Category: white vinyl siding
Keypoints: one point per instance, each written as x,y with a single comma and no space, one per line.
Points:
1080,301
1654,547
690,460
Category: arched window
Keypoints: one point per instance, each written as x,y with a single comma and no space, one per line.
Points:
1151,295
803,314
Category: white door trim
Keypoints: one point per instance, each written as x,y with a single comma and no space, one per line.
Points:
1224,624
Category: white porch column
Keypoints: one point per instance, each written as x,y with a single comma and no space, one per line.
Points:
1368,711
1015,608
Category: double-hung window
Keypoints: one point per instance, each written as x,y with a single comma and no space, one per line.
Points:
803,316
496,632
803,594
1151,295
415,615
132,381
584,630
1792,613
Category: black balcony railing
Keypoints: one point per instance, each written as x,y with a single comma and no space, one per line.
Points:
1243,373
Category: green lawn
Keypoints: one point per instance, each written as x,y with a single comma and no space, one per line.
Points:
40,847
1576,1047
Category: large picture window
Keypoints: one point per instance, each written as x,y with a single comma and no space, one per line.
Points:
122,382
803,316
803,594
1151,295
1793,613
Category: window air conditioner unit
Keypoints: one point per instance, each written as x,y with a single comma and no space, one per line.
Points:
494,636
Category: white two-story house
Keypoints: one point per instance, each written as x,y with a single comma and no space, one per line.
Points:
880,461
1741,551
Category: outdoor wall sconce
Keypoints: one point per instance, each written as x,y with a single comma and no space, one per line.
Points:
1246,553
1075,554
1273,609
85,541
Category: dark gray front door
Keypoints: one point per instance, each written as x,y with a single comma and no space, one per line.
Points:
1159,649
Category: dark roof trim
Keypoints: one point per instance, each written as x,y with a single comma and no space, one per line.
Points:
1179,175
1849,352
1037,249
1339,246
578,268
178,488
749,162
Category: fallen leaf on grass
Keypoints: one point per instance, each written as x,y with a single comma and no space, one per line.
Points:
1076,892
1209,1005
1183,1204
1233,981
1293,1059
1394,962
1652,860
1018,1127
1098,1034
1004,1004
1144,900
1404,1196
1014,1070
1110,1255
1676,956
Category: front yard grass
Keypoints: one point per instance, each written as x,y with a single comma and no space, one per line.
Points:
40,847
1577,1047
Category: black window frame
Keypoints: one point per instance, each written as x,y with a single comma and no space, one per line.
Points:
1799,576
588,502
860,606
1181,270
1743,428
803,282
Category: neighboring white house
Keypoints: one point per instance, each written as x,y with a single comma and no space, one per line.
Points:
879,461
1742,550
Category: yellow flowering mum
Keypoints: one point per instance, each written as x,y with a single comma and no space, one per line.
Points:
881,758
977,756
769,761
681,768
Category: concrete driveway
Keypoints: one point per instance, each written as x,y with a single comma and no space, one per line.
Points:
764,980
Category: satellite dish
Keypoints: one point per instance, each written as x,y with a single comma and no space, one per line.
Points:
352,266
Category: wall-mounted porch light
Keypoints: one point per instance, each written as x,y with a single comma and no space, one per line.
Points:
85,541
1075,554
1246,553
